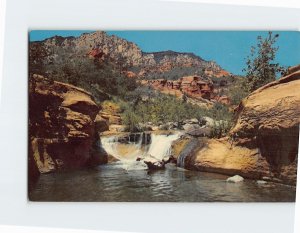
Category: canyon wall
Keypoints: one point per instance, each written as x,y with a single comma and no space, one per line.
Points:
63,127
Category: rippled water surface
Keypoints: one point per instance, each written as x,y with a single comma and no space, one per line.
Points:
112,183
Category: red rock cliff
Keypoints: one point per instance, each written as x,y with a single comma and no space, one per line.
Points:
194,87
62,127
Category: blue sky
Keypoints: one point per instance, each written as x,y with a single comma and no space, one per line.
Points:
227,48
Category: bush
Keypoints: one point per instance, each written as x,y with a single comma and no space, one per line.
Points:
220,112
160,109
261,67
220,129
164,108
236,91
223,120
131,120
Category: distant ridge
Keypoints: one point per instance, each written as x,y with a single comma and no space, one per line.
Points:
150,65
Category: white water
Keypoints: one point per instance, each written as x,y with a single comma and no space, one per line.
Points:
127,153
160,147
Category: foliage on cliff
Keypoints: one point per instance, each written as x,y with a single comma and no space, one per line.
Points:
236,91
261,67
160,108
70,66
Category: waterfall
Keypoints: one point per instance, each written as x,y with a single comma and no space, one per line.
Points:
160,147
120,151
189,149
138,146
126,152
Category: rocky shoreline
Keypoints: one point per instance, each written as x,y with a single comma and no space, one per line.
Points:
219,156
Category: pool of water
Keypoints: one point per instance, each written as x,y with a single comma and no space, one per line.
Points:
111,183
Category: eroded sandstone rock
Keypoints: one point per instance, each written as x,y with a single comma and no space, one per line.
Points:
101,123
269,119
221,157
264,139
192,86
62,129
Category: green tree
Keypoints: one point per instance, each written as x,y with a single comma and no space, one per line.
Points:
261,67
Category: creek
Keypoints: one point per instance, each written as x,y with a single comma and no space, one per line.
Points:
130,180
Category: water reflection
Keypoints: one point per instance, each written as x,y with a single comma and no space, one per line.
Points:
112,183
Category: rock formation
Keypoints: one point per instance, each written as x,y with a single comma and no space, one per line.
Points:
124,54
220,156
270,117
196,89
63,127
191,86
264,140
172,64
112,113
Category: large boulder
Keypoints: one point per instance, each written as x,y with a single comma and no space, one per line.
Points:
62,127
220,156
263,144
191,121
209,122
200,132
269,118
190,127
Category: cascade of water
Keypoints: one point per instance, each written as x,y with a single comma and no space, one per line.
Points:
109,144
122,151
159,148
190,149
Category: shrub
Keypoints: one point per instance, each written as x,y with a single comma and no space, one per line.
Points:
220,112
261,67
220,129
236,91
131,120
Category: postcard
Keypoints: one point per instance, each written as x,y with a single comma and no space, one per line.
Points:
163,116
